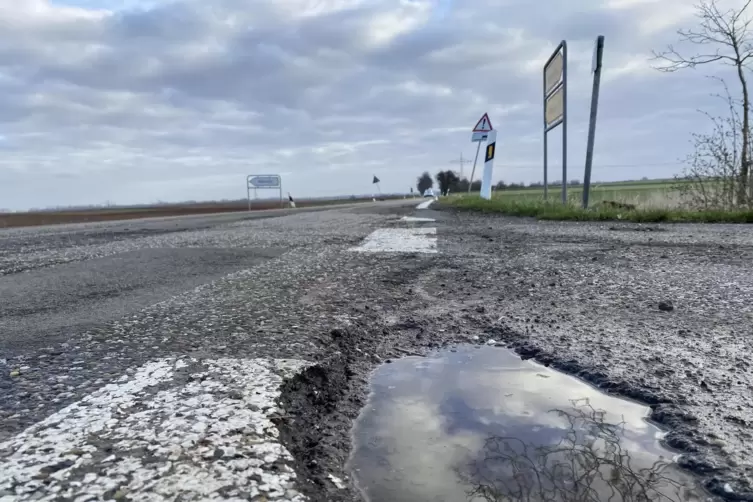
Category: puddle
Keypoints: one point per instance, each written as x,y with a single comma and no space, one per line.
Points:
480,424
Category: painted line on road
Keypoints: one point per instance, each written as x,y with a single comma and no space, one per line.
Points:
426,204
399,240
172,429
417,220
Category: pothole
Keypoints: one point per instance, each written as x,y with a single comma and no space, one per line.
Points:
480,424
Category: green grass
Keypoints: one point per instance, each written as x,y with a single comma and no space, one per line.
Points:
538,208
647,194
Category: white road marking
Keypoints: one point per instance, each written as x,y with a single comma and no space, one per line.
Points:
339,484
151,438
426,204
400,240
417,220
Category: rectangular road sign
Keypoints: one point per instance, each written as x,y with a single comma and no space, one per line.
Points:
479,136
264,181
555,108
553,73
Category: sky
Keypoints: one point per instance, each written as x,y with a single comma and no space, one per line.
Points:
131,101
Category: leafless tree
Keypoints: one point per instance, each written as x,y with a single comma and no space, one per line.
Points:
722,36
589,464
712,178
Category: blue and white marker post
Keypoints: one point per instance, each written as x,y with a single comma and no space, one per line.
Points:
486,181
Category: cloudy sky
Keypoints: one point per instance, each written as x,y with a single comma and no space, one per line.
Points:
133,101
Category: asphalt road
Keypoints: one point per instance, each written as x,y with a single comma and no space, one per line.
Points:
225,357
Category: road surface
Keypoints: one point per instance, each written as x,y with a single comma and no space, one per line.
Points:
225,357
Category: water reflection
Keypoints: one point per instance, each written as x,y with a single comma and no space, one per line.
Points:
482,425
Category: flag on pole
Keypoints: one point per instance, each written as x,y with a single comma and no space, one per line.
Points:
376,180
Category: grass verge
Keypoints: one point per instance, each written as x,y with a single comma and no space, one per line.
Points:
556,211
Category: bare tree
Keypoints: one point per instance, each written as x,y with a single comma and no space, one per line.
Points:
712,178
588,464
723,36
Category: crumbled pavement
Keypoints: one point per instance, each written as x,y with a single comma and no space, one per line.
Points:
583,298
658,313
277,309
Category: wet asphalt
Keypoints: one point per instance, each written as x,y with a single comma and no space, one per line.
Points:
82,305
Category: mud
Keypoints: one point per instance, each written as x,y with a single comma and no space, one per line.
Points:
322,402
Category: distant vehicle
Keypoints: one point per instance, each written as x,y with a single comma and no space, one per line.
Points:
429,193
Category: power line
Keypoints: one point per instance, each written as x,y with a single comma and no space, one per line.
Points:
461,161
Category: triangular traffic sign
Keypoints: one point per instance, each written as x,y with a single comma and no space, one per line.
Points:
483,125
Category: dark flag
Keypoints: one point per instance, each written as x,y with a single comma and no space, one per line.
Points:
376,180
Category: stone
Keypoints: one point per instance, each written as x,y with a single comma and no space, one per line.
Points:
666,306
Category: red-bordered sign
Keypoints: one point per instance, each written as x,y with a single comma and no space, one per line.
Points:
483,125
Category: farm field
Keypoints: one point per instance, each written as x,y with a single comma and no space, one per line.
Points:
37,218
645,194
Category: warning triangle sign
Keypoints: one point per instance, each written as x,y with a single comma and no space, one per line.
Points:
483,125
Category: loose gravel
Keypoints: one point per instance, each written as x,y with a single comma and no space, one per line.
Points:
587,299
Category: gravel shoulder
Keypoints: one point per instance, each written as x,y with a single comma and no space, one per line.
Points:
585,298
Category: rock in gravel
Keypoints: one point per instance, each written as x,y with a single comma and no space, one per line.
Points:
666,306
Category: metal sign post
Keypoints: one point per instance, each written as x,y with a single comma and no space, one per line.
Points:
473,171
263,181
555,109
596,70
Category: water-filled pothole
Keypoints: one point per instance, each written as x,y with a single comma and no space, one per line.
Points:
480,424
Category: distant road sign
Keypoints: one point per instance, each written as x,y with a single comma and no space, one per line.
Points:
264,181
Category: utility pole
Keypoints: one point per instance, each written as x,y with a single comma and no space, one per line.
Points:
461,161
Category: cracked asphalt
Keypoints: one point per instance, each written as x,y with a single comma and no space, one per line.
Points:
225,357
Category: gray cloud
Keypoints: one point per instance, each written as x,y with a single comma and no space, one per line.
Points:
181,100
